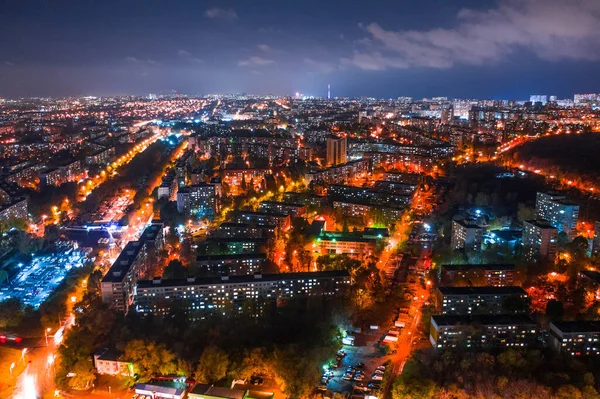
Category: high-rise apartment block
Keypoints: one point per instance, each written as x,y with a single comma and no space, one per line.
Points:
336,150
466,235
539,239
558,211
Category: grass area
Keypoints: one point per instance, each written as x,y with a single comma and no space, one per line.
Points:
7,357
116,383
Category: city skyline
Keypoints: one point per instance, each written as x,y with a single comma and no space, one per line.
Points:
491,50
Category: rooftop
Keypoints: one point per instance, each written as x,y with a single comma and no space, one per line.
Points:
484,290
467,224
595,276
218,392
484,319
581,326
469,266
541,223
254,255
122,264
243,279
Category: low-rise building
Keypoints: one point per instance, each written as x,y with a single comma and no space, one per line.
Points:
496,275
109,362
236,245
233,230
101,157
199,201
281,220
236,294
577,338
157,391
348,244
294,210
482,331
590,280
386,214
118,285
14,209
241,264
481,300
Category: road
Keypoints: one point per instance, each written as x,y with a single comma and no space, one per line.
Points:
410,333
38,377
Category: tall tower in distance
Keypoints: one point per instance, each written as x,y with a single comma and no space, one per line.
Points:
329,92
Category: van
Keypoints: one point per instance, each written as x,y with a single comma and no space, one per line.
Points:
348,340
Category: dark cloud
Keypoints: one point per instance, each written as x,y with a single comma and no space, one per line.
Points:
550,29
255,61
221,13
189,56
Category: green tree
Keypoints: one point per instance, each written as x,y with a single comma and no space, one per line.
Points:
525,212
213,365
150,358
255,362
175,270
11,313
568,392
413,388
83,375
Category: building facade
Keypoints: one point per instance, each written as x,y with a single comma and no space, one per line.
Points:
482,331
481,300
577,338
242,264
558,211
336,150
466,235
494,275
540,239
236,294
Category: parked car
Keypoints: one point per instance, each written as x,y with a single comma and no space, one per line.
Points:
361,387
377,377
256,380
348,376
359,377
359,366
322,387
374,385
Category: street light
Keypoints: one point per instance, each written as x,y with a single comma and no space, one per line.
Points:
46,334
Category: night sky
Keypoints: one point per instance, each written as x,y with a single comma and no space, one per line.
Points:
505,49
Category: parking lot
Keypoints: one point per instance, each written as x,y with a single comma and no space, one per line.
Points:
367,356
36,280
